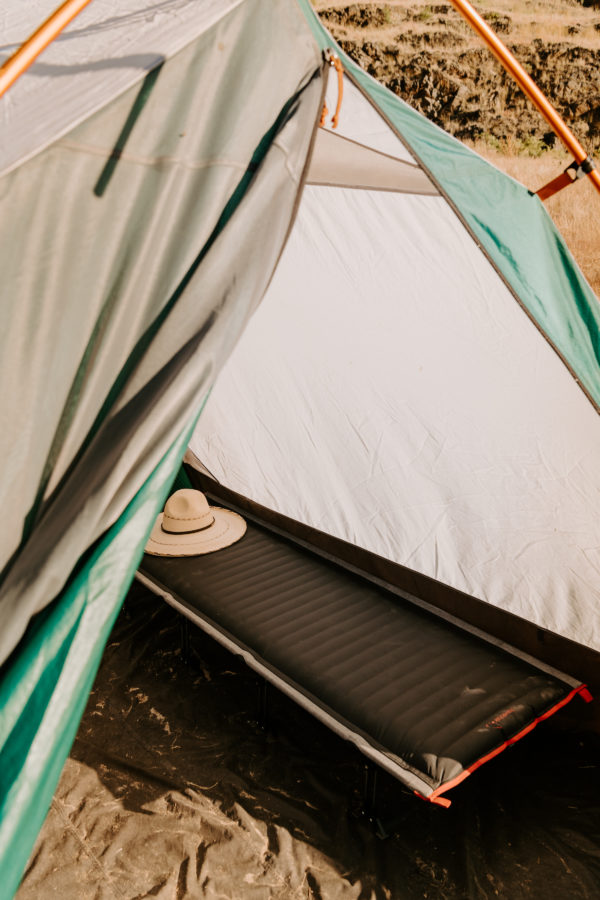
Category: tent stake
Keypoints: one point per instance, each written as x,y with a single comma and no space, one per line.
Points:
184,638
263,705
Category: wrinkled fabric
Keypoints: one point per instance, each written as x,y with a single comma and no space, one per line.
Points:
392,392
397,397
125,284
133,250
106,49
504,218
45,685
173,791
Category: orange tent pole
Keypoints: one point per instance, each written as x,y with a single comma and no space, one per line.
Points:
528,85
20,61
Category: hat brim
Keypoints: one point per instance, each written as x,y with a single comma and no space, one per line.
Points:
226,529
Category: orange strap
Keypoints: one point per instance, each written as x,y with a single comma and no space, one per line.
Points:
571,174
336,62
554,186
435,797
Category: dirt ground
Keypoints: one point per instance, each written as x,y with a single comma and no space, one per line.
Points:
172,790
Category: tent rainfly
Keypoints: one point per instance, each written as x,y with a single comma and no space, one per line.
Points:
420,382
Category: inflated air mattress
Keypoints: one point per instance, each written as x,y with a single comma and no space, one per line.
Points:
424,696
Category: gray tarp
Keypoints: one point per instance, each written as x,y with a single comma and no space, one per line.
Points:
171,791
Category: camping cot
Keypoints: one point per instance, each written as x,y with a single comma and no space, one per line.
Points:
414,393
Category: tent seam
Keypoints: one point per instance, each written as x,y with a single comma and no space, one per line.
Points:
350,69
150,161
136,79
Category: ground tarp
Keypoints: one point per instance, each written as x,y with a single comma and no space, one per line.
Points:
172,791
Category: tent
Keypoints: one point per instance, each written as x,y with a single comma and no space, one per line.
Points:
421,380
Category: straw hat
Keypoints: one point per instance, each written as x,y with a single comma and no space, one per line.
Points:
189,526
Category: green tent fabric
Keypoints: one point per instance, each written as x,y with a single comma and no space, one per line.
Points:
145,215
149,252
430,420
44,690
120,233
508,222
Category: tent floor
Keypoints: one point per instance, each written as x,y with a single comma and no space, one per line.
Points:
170,792
427,700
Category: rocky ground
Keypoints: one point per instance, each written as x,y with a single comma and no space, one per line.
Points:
427,54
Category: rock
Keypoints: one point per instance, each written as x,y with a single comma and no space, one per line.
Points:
434,64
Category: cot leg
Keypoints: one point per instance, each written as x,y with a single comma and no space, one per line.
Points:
369,799
263,704
184,639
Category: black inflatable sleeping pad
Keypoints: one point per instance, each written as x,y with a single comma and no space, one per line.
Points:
425,698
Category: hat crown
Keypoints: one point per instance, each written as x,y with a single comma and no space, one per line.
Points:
186,510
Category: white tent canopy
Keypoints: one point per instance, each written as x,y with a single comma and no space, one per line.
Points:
398,397
76,76
421,379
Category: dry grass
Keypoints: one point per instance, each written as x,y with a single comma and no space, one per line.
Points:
551,20
575,210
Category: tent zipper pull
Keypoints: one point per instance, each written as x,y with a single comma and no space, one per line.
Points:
333,60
